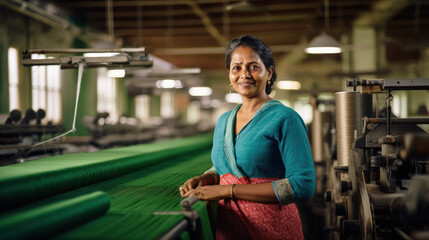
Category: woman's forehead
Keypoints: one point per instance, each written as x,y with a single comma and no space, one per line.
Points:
244,53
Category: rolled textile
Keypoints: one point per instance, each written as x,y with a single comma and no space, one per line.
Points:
48,220
35,180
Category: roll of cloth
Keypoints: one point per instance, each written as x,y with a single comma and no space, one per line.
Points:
45,221
137,197
35,180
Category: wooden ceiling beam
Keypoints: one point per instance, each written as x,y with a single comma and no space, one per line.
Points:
208,23
202,32
218,23
98,13
192,23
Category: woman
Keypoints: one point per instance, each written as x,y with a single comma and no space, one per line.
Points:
261,153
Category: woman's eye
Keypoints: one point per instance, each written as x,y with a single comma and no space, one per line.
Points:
236,68
254,67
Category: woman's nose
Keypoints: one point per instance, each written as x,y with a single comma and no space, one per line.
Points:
245,73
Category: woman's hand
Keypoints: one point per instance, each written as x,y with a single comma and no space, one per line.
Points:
188,188
213,192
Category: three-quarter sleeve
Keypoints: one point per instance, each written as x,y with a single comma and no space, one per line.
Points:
213,170
299,182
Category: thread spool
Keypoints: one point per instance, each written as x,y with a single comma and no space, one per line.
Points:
348,118
321,124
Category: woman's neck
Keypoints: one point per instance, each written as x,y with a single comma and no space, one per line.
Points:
251,105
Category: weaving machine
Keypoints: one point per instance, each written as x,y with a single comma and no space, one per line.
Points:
121,193
379,186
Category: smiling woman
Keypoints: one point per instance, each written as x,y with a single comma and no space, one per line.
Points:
261,157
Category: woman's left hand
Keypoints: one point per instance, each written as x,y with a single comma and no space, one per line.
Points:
213,192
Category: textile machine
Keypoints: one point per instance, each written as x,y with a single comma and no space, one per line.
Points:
18,132
120,193
378,188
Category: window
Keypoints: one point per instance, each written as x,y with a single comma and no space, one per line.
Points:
46,88
54,95
142,107
13,79
106,94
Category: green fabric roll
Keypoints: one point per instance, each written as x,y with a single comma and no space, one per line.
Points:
35,180
136,196
139,180
49,220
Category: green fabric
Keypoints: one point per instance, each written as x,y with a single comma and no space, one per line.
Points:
205,227
136,196
35,180
139,181
48,220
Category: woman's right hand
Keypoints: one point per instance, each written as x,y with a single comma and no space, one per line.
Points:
188,188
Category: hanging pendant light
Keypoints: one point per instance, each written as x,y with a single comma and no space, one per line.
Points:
324,44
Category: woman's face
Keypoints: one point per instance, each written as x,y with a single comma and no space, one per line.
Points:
247,72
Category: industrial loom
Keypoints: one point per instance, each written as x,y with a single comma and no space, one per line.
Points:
378,186
120,193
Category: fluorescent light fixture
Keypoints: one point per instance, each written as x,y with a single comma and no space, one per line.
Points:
233,98
105,54
200,91
323,44
116,73
169,83
288,85
178,84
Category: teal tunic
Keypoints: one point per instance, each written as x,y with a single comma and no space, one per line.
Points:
273,144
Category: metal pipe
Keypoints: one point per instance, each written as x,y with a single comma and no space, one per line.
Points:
175,232
188,202
388,112
398,120
39,14
85,50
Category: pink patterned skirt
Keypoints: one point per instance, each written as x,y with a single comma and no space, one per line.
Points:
240,219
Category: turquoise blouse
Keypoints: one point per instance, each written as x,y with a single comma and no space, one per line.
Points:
273,144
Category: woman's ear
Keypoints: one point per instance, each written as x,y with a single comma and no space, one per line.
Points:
270,72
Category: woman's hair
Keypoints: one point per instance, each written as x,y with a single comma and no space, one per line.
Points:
258,46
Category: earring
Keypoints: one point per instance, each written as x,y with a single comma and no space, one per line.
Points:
230,88
269,82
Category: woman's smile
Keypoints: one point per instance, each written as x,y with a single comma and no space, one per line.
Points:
246,84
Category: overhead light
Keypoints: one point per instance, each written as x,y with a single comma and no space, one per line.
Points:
323,44
116,73
200,91
288,85
233,98
169,83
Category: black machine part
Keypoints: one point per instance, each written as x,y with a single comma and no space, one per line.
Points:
14,117
413,208
392,84
30,114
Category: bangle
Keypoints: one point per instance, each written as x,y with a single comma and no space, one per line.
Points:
232,191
